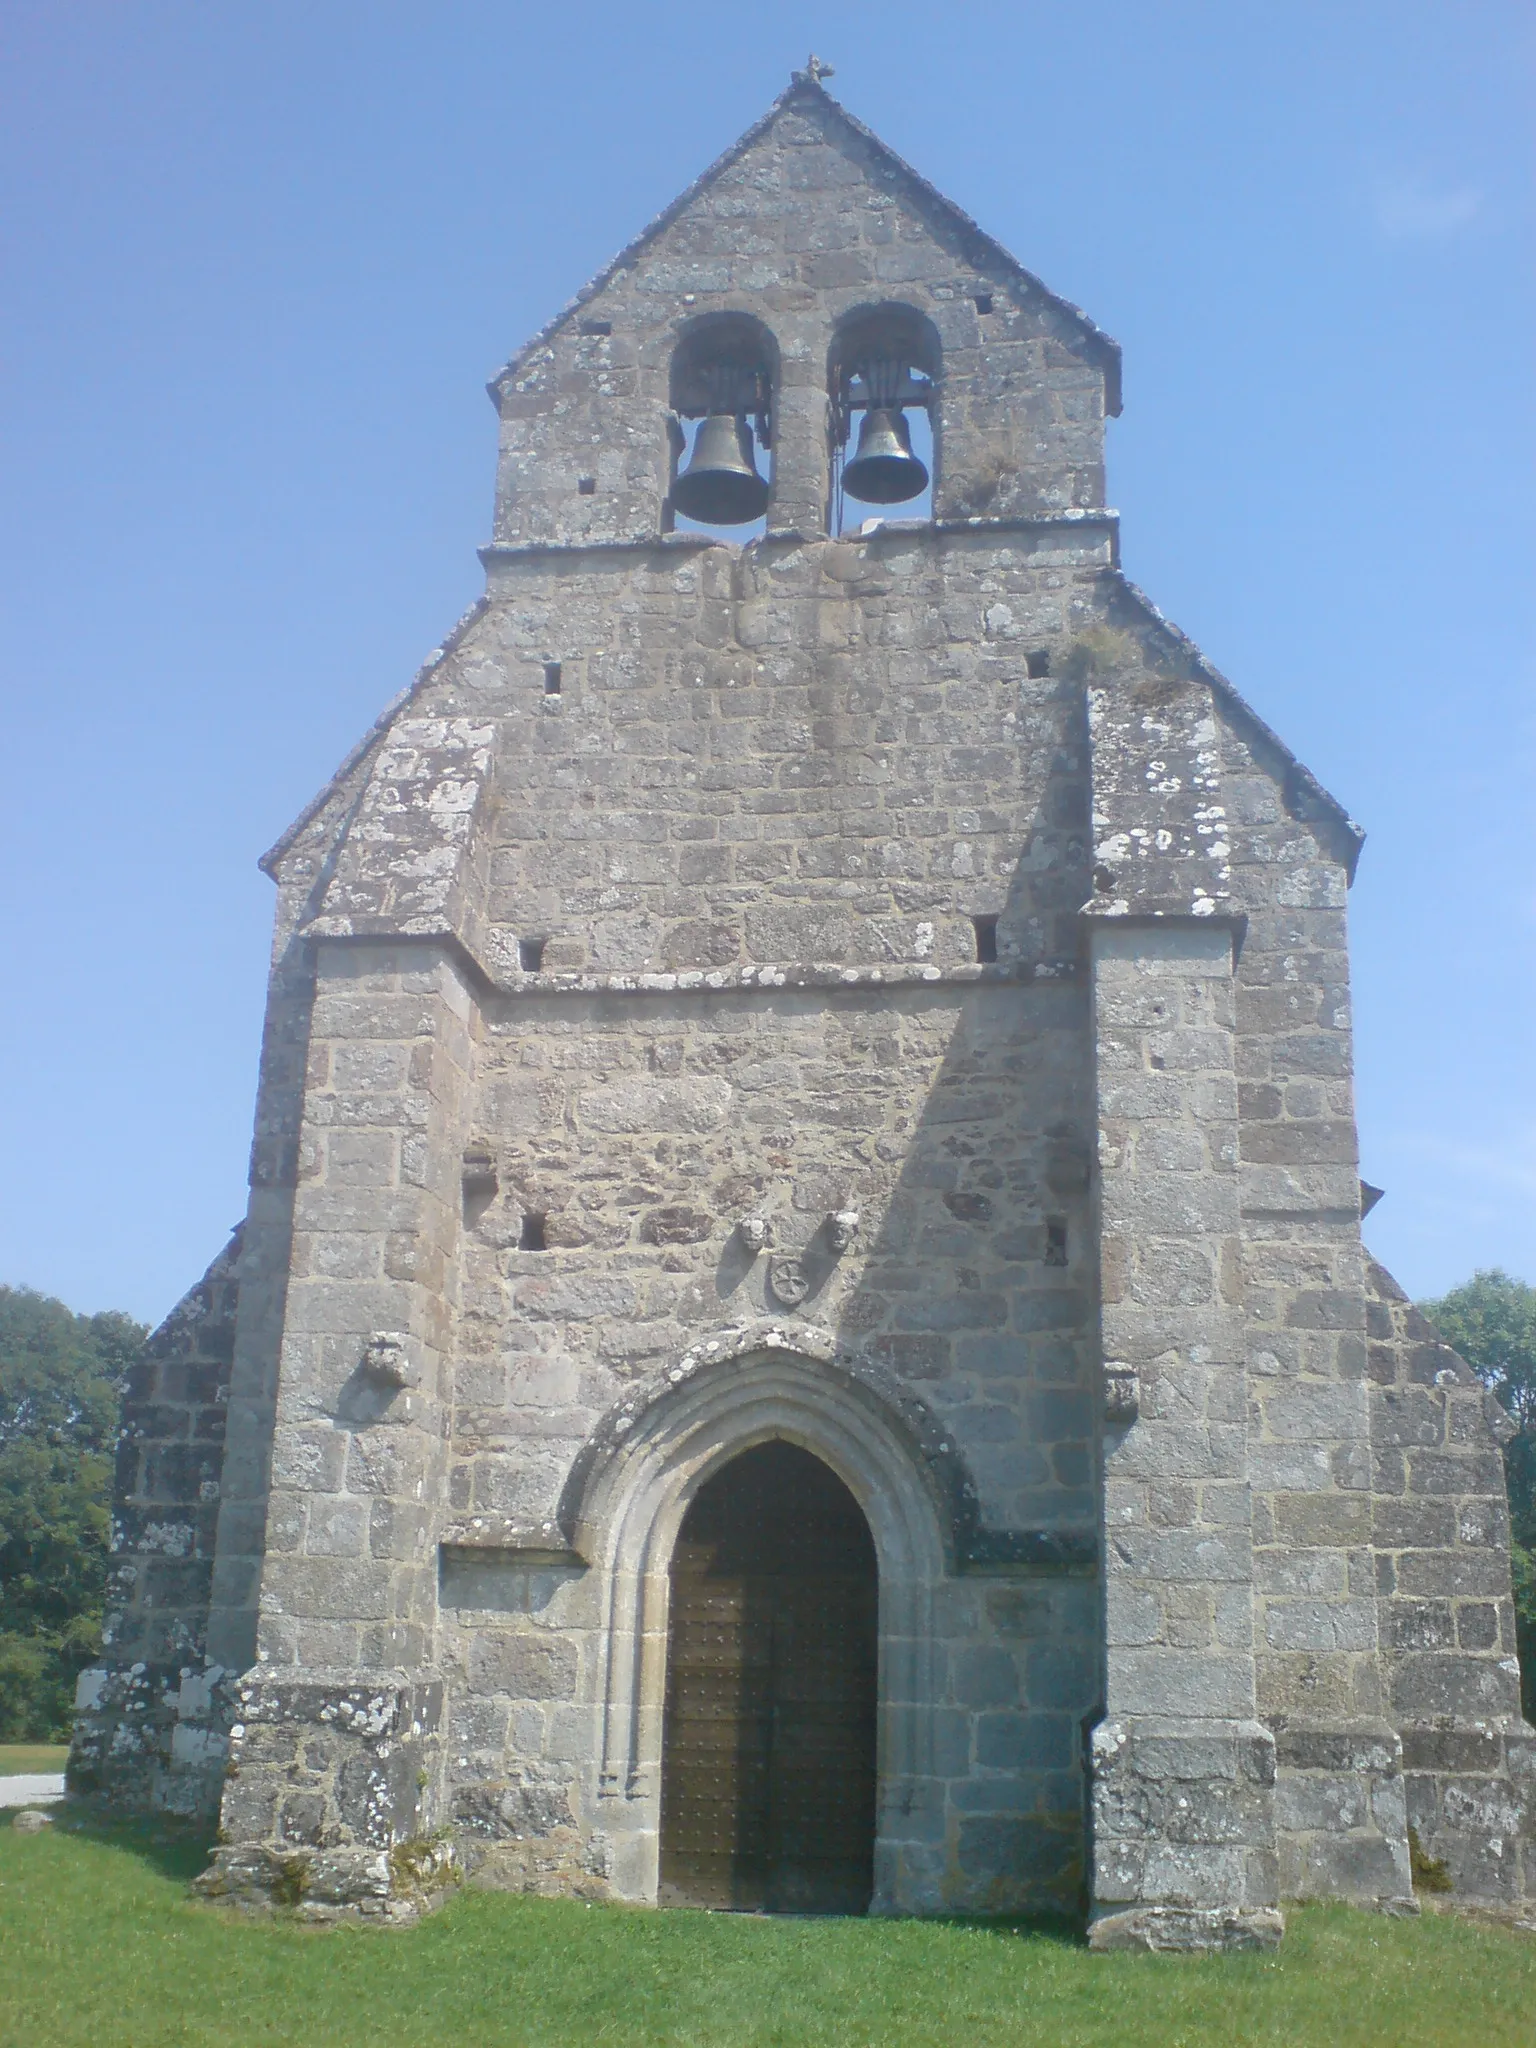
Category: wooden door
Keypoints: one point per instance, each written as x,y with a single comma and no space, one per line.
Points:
768,1767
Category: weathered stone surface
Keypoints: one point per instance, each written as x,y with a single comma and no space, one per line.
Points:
882,989
152,1718
1182,1930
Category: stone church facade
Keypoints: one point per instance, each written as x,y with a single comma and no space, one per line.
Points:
861,1010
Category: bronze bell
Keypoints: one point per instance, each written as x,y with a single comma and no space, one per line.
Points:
884,471
721,486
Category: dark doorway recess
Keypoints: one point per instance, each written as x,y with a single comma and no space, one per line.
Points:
768,1768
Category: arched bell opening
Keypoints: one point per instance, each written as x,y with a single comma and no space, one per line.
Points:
882,384
768,1778
723,378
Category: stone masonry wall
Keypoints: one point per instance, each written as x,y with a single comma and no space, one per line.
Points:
303,873
708,701
644,1130
808,220
336,1749
1200,816
1440,1549
1340,1798
152,1718
1183,1771
807,754
696,886
808,766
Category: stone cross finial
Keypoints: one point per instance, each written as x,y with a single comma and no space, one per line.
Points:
815,71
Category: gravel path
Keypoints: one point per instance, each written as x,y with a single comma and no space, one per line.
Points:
35,1790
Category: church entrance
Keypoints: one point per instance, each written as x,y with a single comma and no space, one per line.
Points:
768,1763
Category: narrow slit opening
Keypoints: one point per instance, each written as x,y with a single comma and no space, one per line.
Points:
986,938
530,955
551,678
1055,1240
531,1236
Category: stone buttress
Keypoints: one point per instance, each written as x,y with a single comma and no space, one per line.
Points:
862,982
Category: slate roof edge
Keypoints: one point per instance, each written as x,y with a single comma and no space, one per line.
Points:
1101,346
272,858
1353,833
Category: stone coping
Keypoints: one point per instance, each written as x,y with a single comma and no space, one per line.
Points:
1072,519
788,975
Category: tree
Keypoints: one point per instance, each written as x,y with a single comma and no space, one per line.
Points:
1491,1320
61,1382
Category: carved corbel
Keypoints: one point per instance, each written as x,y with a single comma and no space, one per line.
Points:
387,1359
1122,1392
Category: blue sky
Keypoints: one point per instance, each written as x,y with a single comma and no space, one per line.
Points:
258,261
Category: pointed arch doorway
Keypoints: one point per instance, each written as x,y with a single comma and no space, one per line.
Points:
768,1748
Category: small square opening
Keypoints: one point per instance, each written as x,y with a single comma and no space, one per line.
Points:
531,1237
1055,1240
1038,664
530,955
983,301
986,938
551,678
587,485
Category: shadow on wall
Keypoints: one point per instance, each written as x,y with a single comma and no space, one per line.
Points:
976,1294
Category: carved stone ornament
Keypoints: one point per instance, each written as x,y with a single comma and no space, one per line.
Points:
1122,1392
753,1232
843,1228
388,1360
788,1281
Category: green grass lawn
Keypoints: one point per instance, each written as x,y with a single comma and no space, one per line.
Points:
20,1759
100,1943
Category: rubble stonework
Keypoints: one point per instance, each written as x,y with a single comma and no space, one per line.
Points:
152,1718
637,1087
1440,1538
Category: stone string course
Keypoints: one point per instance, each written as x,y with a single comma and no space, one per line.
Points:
1193,1546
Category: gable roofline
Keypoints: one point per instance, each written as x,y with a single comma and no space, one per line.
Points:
272,859
983,249
1306,796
